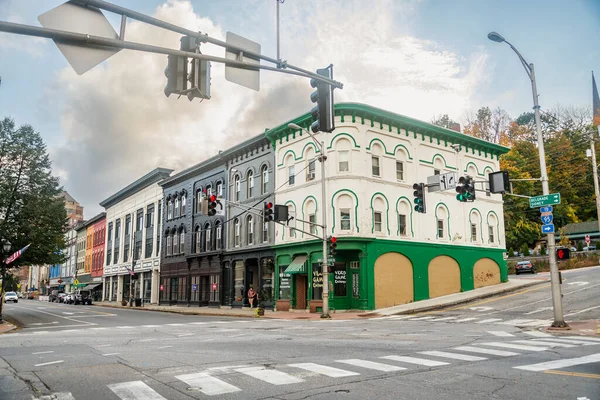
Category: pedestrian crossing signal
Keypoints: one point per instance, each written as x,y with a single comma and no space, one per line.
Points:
563,254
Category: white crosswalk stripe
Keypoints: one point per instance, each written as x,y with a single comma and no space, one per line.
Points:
208,384
501,333
514,346
538,334
488,321
324,370
372,365
454,356
135,390
582,338
493,352
421,318
467,319
418,361
557,364
271,376
444,319
570,341
545,343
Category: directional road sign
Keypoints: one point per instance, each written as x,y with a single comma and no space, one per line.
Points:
76,281
549,228
547,219
545,200
547,209
244,77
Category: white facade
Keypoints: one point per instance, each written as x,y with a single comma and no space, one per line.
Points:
141,202
371,168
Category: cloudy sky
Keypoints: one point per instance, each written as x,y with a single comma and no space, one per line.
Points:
113,124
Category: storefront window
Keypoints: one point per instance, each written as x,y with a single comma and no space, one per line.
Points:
147,286
126,287
284,283
267,269
317,281
239,280
114,285
182,289
214,288
204,288
339,280
195,288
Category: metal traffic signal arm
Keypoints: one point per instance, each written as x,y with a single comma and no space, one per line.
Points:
94,42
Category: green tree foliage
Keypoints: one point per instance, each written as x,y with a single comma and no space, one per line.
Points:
443,121
525,250
579,246
31,210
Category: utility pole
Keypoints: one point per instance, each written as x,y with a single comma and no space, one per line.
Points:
325,266
595,171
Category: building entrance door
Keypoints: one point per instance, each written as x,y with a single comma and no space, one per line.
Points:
341,296
301,290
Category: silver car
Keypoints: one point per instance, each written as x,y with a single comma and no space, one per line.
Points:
11,296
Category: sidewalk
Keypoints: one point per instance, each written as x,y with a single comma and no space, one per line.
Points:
420,306
6,327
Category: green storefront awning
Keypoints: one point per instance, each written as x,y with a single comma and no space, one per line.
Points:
297,266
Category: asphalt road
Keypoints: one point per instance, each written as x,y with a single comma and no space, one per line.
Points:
81,352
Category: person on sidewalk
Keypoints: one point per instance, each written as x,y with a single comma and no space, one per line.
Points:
251,295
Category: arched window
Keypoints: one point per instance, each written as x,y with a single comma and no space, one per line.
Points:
236,188
376,160
291,169
292,216
492,226
169,208
219,188
442,220
169,244
183,202
310,215
249,230
177,212
343,150
475,223
309,156
208,190
199,198
236,232
379,215
250,183
401,170
438,166
218,235
198,239
404,212
182,241
175,243
207,242
345,205
265,178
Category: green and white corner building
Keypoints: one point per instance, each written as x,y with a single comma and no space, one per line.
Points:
387,253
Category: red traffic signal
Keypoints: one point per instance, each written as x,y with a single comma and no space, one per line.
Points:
563,254
333,239
268,211
332,245
269,205
213,198
212,205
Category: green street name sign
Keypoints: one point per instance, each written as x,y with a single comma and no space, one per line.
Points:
545,200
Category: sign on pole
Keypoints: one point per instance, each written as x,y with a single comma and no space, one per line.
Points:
547,219
587,239
549,228
244,77
544,200
547,209
80,19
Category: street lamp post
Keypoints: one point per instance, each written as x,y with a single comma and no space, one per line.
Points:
324,267
559,320
6,245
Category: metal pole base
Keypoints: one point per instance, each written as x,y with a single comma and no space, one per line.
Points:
559,326
325,316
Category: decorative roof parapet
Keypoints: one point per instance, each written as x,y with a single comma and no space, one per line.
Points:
154,176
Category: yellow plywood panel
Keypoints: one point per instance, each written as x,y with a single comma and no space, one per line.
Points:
393,280
444,276
486,272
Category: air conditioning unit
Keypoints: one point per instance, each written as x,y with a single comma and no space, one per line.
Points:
310,176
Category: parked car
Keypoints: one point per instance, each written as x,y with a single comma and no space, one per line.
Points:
524,266
573,248
83,296
69,298
61,297
53,297
589,248
20,295
11,296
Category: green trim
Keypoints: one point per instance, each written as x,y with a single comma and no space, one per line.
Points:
383,144
480,223
356,146
285,155
497,226
309,144
387,212
316,209
355,209
475,165
360,112
436,220
433,161
405,148
486,168
295,212
410,208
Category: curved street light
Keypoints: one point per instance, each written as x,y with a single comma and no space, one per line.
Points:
559,320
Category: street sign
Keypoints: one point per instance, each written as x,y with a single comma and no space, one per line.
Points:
81,19
548,228
244,77
544,200
547,219
76,281
447,180
547,209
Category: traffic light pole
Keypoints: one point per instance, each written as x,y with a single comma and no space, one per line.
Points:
325,266
595,171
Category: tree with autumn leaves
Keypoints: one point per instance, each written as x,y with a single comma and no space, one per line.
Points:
566,132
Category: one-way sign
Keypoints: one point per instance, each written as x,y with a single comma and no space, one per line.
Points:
549,228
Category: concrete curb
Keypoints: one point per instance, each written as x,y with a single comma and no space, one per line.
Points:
455,302
184,311
7,327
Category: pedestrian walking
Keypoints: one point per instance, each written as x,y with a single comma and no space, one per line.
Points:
251,295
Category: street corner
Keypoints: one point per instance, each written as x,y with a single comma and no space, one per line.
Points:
583,328
6,327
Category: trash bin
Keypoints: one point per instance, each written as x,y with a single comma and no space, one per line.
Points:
138,302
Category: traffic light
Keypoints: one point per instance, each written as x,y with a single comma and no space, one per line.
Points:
563,253
176,73
332,246
199,78
419,194
466,189
212,205
323,112
268,211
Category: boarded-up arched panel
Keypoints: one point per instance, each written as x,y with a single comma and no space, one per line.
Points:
444,276
486,272
393,280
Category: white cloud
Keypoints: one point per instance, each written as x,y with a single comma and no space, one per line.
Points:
118,124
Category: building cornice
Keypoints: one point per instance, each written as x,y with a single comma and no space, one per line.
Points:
155,176
360,113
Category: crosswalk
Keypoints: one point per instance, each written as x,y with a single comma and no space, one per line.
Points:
472,320
224,380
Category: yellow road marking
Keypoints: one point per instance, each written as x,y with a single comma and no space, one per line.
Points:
579,374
